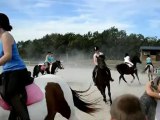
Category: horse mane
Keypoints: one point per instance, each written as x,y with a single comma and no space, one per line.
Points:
85,106
101,61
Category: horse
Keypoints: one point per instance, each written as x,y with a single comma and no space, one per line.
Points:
123,69
150,71
41,68
102,78
59,98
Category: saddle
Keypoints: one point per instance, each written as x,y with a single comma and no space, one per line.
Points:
34,95
129,65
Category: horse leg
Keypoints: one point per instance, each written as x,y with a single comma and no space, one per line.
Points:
51,103
133,78
109,94
102,90
122,76
149,76
56,102
136,73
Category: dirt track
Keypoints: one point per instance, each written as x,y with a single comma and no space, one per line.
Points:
80,79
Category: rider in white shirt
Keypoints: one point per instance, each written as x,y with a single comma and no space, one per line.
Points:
96,54
127,60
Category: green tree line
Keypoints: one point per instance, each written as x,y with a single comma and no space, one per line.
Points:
113,42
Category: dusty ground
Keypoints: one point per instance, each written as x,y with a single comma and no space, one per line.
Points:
80,79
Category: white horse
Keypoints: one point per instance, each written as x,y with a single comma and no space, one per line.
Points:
150,71
65,100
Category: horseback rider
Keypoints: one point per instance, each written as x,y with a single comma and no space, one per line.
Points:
96,54
49,59
127,60
148,62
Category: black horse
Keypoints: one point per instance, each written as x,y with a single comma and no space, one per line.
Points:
123,69
49,70
102,78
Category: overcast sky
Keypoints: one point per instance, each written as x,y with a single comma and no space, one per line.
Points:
33,19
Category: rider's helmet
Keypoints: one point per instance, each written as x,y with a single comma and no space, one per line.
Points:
96,48
126,54
148,55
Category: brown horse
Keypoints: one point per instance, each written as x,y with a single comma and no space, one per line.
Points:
102,78
123,69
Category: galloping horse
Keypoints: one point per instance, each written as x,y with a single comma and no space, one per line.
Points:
50,70
59,98
150,71
125,69
102,78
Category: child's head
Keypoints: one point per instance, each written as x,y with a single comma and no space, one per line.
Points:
126,107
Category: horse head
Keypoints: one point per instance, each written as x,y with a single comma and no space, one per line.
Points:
135,59
59,64
101,61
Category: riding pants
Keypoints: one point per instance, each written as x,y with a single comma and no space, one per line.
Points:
109,73
14,93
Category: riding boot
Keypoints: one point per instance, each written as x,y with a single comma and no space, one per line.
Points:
145,69
19,109
109,74
94,75
12,115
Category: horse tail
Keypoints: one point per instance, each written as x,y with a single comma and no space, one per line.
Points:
86,89
85,106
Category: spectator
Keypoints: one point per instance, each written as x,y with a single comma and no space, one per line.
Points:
126,107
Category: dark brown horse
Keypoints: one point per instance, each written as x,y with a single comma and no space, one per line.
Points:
102,78
123,69
49,70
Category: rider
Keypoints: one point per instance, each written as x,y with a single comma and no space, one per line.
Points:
148,62
96,54
127,60
14,73
49,59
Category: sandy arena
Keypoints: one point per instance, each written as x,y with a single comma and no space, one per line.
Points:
80,79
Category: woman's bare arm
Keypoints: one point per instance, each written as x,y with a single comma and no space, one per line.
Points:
150,92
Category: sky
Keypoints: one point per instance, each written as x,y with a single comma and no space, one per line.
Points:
33,19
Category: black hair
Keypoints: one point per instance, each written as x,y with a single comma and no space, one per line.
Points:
4,22
96,48
126,54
